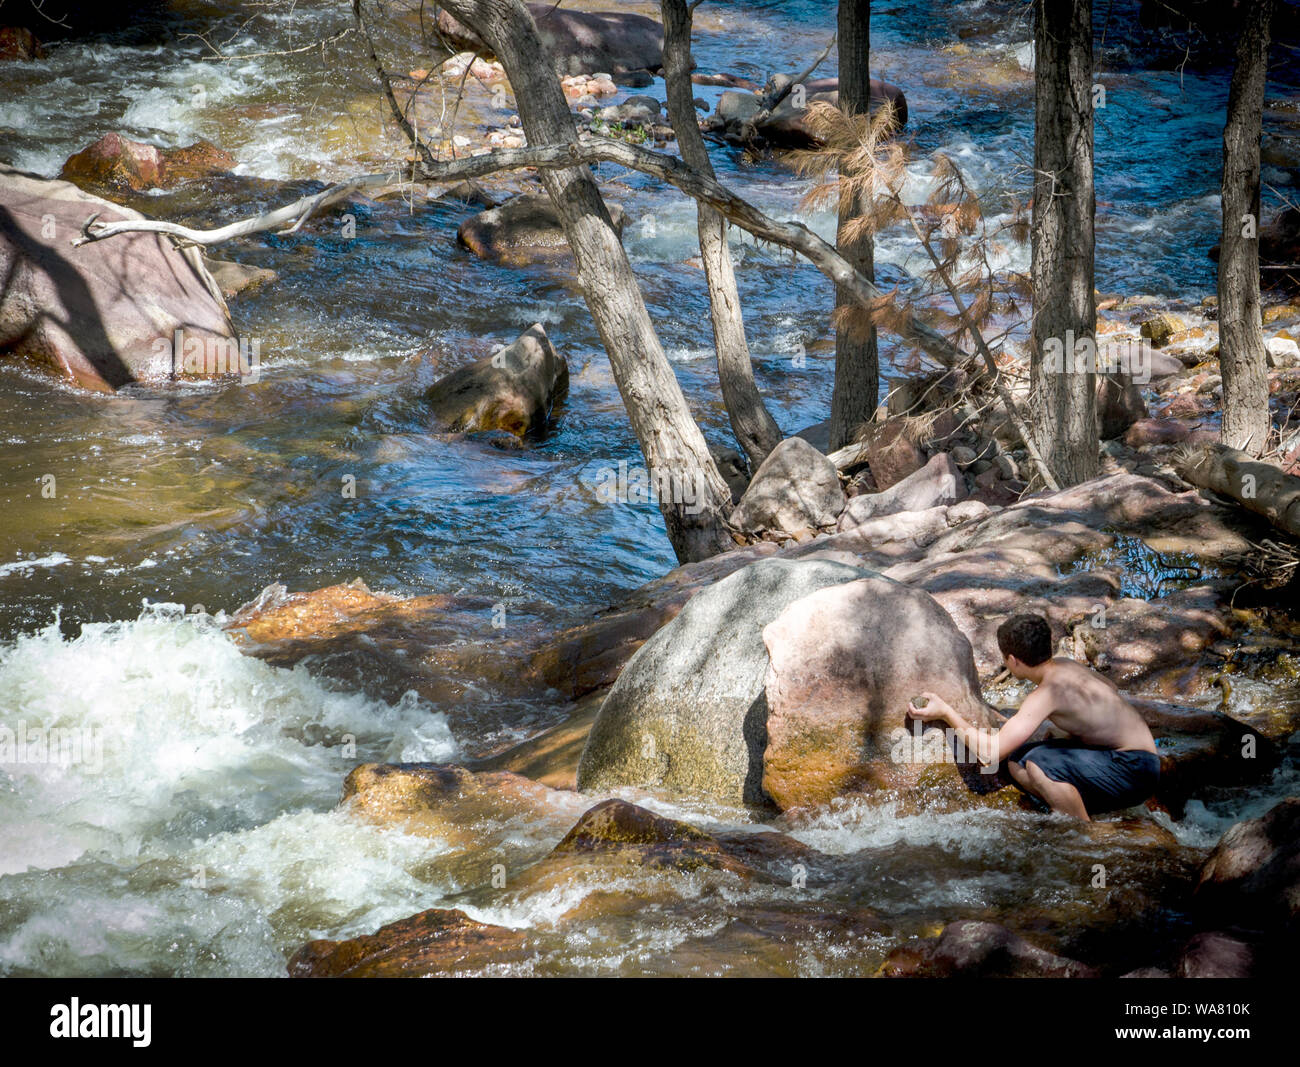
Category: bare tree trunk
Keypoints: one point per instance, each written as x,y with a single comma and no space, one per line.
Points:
857,360
673,446
756,431
1065,308
1242,361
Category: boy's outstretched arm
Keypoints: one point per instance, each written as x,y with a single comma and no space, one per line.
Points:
990,747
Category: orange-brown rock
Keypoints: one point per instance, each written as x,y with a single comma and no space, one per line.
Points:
434,943
117,163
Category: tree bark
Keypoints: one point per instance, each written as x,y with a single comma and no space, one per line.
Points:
1065,309
755,430
1242,361
670,440
857,360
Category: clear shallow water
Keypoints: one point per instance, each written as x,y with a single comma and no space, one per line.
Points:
207,494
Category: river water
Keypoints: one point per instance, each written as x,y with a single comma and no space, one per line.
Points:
204,842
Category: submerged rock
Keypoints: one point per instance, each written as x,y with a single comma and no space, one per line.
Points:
971,949
107,313
524,230
513,390
796,489
235,278
617,838
688,711
442,801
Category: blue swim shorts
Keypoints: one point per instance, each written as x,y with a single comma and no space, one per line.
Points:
1108,779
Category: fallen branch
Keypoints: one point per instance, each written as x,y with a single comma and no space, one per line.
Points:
1259,487
291,216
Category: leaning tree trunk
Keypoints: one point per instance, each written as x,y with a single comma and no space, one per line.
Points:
1242,361
756,431
1065,308
857,360
670,440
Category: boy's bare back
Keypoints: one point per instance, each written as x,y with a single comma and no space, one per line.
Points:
1090,707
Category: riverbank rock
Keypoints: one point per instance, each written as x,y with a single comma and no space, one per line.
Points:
116,163
582,41
107,313
892,454
435,943
525,229
971,949
843,663
1252,878
795,490
688,713
937,484
513,390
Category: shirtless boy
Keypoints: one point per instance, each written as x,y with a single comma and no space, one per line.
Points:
1109,760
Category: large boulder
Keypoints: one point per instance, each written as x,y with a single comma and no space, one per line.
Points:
937,484
525,229
513,390
795,489
688,712
116,163
843,663
582,42
110,312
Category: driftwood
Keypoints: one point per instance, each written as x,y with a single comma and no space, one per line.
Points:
1259,487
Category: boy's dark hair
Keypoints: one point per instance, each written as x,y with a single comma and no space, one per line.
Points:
1027,637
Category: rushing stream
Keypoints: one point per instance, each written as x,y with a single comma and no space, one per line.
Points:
205,841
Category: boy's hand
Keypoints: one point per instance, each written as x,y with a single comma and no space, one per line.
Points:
935,708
